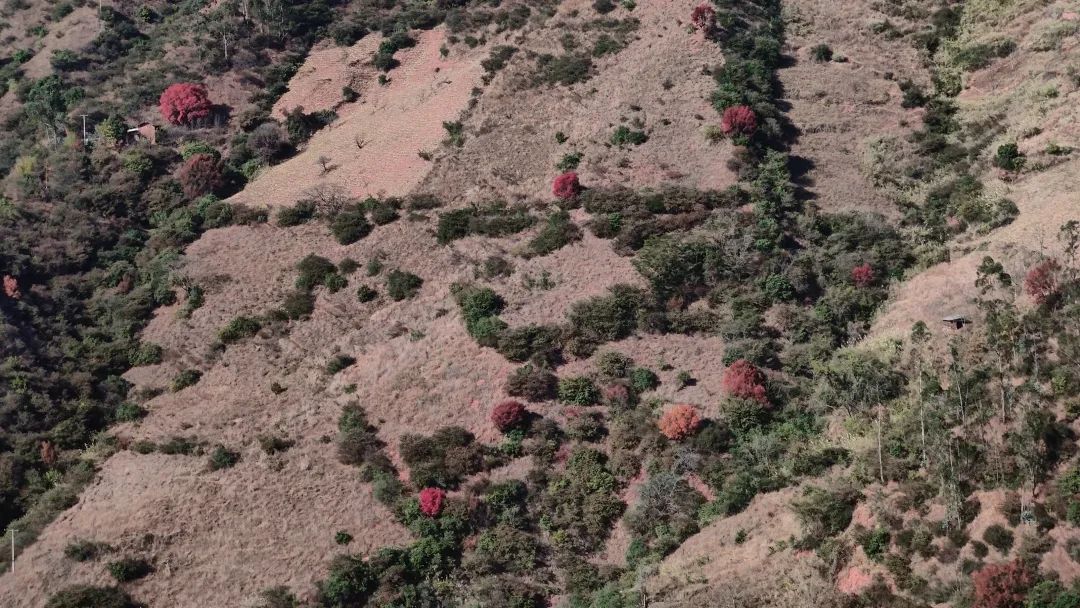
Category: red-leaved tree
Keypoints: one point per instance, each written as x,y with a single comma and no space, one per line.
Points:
184,103
201,174
566,186
1041,281
679,422
615,394
738,121
431,501
744,380
863,275
704,18
11,287
1001,585
508,415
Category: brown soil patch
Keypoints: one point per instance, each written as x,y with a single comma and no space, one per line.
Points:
74,33
393,123
840,107
510,149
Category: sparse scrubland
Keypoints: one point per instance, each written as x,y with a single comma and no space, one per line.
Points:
560,376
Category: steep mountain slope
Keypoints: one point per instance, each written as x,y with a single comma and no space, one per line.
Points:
568,303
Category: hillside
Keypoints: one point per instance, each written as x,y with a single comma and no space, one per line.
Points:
540,303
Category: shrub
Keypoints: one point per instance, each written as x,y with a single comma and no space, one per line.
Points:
500,55
267,141
704,18
606,318
613,364
679,422
824,513
146,354
1009,158
578,390
301,126
508,415
185,378
566,69
1041,280
349,583
87,596
743,380
624,136
129,569
431,501
862,275
273,444
185,103
357,441
239,328
401,285
192,148
338,363
569,162
999,537
566,186
350,226
85,550
342,537
313,271
738,121
366,294
201,174
643,379
294,216
1001,585
223,458
540,343
382,212
532,383
129,412
821,52
557,232
493,220
603,6
298,304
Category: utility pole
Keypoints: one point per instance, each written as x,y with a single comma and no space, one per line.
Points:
13,531
225,43
83,128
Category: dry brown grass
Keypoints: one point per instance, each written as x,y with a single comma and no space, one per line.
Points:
375,143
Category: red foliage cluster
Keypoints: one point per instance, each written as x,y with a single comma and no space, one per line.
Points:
508,415
48,453
703,17
743,380
679,422
200,175
1041,281
1001,585
11,287
862,276
738,120
615,394
566,186
184,103
431,501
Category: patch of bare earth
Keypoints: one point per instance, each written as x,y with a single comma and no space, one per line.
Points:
510,149
840,107
713,556
373,147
